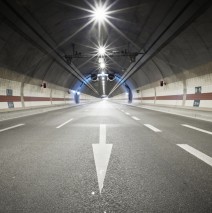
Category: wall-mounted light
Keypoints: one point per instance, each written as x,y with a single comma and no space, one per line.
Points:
162,83
43,85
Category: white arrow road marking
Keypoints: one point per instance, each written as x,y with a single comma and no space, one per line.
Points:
102,152
12,127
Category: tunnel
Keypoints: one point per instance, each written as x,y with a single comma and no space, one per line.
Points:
105,106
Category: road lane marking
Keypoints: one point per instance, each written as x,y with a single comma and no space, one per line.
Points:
127,113
196,153
102,152
102,134
135,118
198,129
12,127
152,128
64,123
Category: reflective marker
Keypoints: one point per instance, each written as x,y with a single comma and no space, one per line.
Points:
196,153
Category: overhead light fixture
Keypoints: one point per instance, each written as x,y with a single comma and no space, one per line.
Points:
101,60
101,51
102,65
99,14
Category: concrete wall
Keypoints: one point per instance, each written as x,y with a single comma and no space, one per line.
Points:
176,92
19,91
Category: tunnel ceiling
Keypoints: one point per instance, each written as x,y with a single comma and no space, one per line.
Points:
42,39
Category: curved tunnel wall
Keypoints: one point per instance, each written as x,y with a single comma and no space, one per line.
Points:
14,93
185,65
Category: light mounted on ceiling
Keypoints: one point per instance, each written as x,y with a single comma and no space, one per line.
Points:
99,13
102,65
101,51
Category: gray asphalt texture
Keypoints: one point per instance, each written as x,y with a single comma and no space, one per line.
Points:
45,169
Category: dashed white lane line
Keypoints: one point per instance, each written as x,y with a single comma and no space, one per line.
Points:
127,113
196,153
198,129
12,127
135,118
152,128
64,123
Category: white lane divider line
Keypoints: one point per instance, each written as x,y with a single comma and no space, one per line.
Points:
12,127
196,153
127,113
64,123
152,128
135,118
198,129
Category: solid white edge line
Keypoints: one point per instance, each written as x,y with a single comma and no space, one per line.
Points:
12,127
64,123
196,153
127,113
152,128
135,118
198,129
102,134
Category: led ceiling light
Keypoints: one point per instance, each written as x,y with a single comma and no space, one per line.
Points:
101,60
102,65
99,14
101,51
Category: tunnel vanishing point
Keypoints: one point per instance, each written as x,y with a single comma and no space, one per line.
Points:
105,106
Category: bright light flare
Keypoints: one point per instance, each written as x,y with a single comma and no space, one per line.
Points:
102,65
100,14
101,60
102,51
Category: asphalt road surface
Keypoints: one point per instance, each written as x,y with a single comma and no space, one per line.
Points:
104,157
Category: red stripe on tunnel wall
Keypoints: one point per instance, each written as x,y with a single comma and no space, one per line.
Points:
27,98
170,97
167,97
4,98
148,98
199,96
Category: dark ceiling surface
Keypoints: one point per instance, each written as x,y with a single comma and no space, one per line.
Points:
36,35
